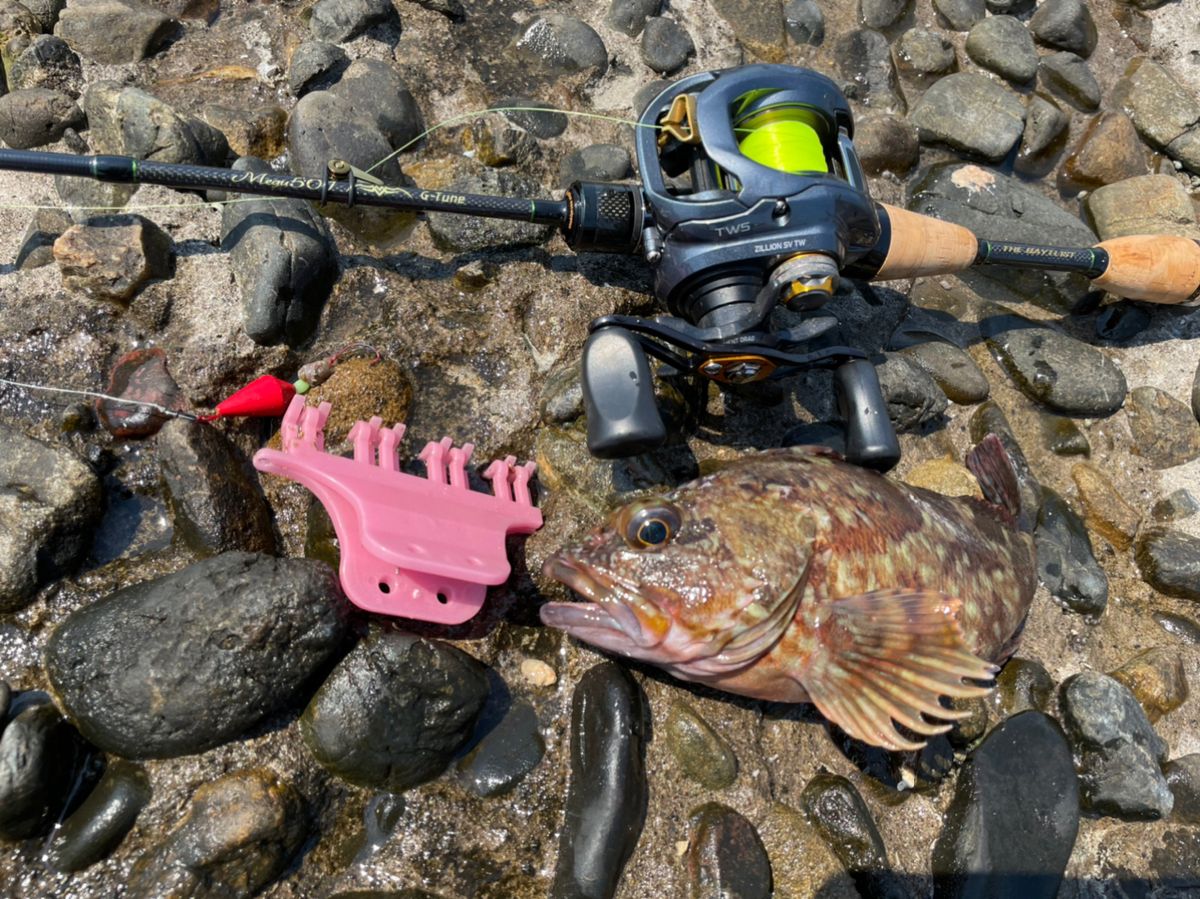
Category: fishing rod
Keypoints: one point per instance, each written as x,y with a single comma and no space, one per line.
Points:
751,196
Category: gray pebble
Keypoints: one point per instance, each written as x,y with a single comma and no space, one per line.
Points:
315,65
804,21
564,44
629,16
925,52
45,61
970,112
1164,431
881,13
868,75
1066,562
342,20
1003,45
1065,24
526,113
886,143
954,371
37,116
1071,77
666,45
1169,561
373,86
913,397
114,31
466,234
961,14
599,162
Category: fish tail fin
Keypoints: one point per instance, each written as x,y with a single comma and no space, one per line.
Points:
889,656
989,461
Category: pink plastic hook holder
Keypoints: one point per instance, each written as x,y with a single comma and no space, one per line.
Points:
417,547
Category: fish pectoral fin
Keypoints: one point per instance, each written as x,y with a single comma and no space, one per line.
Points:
890,656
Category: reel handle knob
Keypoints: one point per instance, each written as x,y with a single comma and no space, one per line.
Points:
618,396
870,438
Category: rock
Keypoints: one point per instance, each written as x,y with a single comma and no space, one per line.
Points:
886,143
114,31
527,113
374,87
44,13
960,15
464,234
563,43
1069,76
1147,204
394,711
843,820
868,75
146,675
37,244
607,795
1183,777
506,754
315,65
1021,684
701,753
923,53
913,397
945,477
130,122
804,22
666,45
757,25
1169,561
1179,505
1003,45
255,131
113,257
1014,815
881,13
283,259
801,863
337,21
1109,151
37,116
1104,510
1117,751
1178,626
725,855
359,389
1064,374
629,16
1063,437
99,825
1166,114
43,760
1157,679
1165,432
495,142
970,112
1045,123
48,505
970,730
1067,565
140,375
988,418
44,61
238,835
1065,24
598,162
952,369
215,504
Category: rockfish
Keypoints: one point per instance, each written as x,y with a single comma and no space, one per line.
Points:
794,576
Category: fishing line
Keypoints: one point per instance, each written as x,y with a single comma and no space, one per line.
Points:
173,413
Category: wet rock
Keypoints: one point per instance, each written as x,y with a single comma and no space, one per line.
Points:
315,65
101,822
886,143
495,142
945,477
961,14
1157,679
1183,777
842,818
48,505
606,799
130,122
1066,563
1178,505
1104,510
970,112
1063,437
1117,751
1045,123
629,16
725,856
283,259
37,244
1165,113
464,234
44,61
758,26
140,375
1022,684
1169,561
968,731
215,504
394,711
868,75
41,759
506,754
913,397
598,162
1070,76
952,369
1122,320
113,257
1147,204
924,53
1014,816
185,662
373,86
1003,45
563,43
1179,626
666,45
881,13
238,835
1165,432
37,116
359,389
337,21
989,418
1065,24
527,113
802,864
702,753
804,22
114,31
254,131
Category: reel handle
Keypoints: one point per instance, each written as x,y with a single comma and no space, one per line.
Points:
870,438
618,396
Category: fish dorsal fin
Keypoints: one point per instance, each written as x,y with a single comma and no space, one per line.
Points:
993,468
889,656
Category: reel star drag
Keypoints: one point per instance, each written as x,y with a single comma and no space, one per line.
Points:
752,195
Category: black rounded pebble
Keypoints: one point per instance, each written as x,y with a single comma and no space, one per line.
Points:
665,45
1066,562
1169,561
842,818
726,856
97,827
508,752
1183,777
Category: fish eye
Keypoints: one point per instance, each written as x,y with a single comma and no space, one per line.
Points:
650,524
